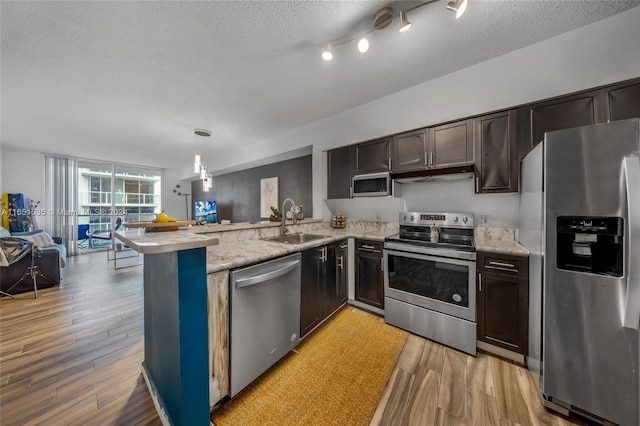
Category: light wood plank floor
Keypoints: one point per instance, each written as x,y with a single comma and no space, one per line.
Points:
435,385
72,357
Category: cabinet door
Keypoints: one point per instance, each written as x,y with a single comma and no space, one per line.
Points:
369,282
503,311
563,113
451,145
372,157
310,291
624,102
496,152
328,279
342,276
409,152
339,173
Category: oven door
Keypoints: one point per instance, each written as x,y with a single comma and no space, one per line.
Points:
438,283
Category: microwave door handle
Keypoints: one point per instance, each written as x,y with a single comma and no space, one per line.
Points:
631,166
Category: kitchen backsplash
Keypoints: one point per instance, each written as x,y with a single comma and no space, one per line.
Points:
502,209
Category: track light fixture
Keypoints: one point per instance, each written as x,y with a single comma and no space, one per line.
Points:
383,18
458,6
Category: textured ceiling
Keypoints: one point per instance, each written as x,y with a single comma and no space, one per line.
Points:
128,81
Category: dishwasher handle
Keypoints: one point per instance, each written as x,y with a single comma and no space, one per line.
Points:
246,282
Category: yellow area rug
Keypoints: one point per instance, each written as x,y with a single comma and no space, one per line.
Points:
334,377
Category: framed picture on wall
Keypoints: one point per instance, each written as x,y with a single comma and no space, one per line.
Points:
269,188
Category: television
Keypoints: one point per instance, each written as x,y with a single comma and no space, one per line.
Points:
206,210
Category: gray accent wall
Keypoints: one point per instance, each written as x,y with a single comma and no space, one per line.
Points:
237,194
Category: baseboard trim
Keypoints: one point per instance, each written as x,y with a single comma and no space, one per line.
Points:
501,352
366,307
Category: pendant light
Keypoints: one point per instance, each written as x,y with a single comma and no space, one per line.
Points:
197,162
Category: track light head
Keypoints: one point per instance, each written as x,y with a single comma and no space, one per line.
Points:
458,6
363,45
404,22
326,54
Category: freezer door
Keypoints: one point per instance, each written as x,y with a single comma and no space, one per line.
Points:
590,356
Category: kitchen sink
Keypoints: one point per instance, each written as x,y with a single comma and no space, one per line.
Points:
296,238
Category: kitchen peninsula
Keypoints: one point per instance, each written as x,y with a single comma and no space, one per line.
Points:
187,379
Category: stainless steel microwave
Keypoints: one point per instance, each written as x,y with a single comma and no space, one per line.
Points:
372,185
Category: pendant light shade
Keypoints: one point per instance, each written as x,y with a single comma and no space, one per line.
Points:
205,184
203,172
197,163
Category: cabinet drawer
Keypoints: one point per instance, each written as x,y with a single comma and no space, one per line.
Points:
503,263
369,246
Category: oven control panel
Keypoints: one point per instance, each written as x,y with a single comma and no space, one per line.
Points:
461,220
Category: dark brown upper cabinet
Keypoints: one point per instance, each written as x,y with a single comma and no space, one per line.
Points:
372,157
495,140
409,151
339,172
623,101
451,145
535,120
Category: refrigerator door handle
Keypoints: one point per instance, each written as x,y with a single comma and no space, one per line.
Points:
632,303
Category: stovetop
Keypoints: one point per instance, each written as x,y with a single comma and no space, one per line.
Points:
436,230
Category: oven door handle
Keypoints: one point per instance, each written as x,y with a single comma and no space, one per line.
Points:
431,253
420,256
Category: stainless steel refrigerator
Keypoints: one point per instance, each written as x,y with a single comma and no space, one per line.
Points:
590,258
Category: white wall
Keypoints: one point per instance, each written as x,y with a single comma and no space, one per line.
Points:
23,171
603,52
175,205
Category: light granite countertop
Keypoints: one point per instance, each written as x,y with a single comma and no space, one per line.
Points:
241,253
209,229
498,240
163,242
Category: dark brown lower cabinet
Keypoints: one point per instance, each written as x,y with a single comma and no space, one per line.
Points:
503,301
369,279
323,283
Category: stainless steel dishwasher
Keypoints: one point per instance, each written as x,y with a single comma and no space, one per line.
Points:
265,317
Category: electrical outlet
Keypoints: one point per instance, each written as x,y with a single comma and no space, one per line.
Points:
378,217
484,220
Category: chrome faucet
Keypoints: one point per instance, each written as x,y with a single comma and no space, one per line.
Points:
283,228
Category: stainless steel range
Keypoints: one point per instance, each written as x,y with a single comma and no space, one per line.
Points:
430,279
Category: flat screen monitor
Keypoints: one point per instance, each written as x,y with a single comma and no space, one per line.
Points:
206,210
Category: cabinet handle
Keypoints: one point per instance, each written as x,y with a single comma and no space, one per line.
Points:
323,254
431,158
351,192
389,163
366,246
344,246
477,184
480,281
499,268
426,160
372,250
382,264
504,264
340,262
